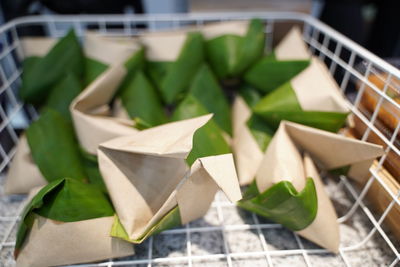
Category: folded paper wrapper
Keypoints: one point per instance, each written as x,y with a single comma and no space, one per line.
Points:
89,112
147,176
315,90
83,241
94,121
283,160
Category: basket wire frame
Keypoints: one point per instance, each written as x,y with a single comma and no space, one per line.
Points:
322,41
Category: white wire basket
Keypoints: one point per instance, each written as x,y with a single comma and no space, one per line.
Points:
226,236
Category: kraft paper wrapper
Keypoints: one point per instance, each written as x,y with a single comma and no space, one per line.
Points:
292,46
166,45
52,243
283,161
247,153
23,174
146,175
109,50
35,46
92,116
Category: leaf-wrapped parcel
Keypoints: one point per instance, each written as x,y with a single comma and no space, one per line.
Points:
62,93
231,54
311,98
67,222
288,188
151,185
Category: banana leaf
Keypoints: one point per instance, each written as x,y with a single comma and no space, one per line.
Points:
208,140
65,57
63,94
223,54
230,55
142,101
282,104
93,69
252,46
135,62
260,130
156,71
282,203
182,71
64,200
170,220
54,148
91,165
207,91
268,74
249,94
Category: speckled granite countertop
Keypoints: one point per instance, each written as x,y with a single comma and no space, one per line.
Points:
227,236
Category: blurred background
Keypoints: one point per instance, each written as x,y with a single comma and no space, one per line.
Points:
371,23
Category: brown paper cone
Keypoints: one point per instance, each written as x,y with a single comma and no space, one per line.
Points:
283,161
92,116
52,243
23,174
247,153
292,46
146,175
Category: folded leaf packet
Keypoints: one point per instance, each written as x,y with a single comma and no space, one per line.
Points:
312,98
284,182
61,94
152,187
67,222
231,54
288,59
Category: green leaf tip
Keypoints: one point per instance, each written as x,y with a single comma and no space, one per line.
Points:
64,200
283,204
170,220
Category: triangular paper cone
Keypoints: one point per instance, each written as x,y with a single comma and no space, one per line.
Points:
283,161
83,241
292,46
146,175
326,216
247,153
90,108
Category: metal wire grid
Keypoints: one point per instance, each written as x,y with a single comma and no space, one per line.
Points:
322,40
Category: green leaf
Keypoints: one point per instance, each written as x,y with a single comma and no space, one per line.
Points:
141,100
29,63
207,140
182,71
93,69
249,94
54,148
170,220
261,132
223,54
91,165
207,91
268,74
63,94
156,71
65,200
136,62
230,55
252,46
282,104
65,57
283,204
